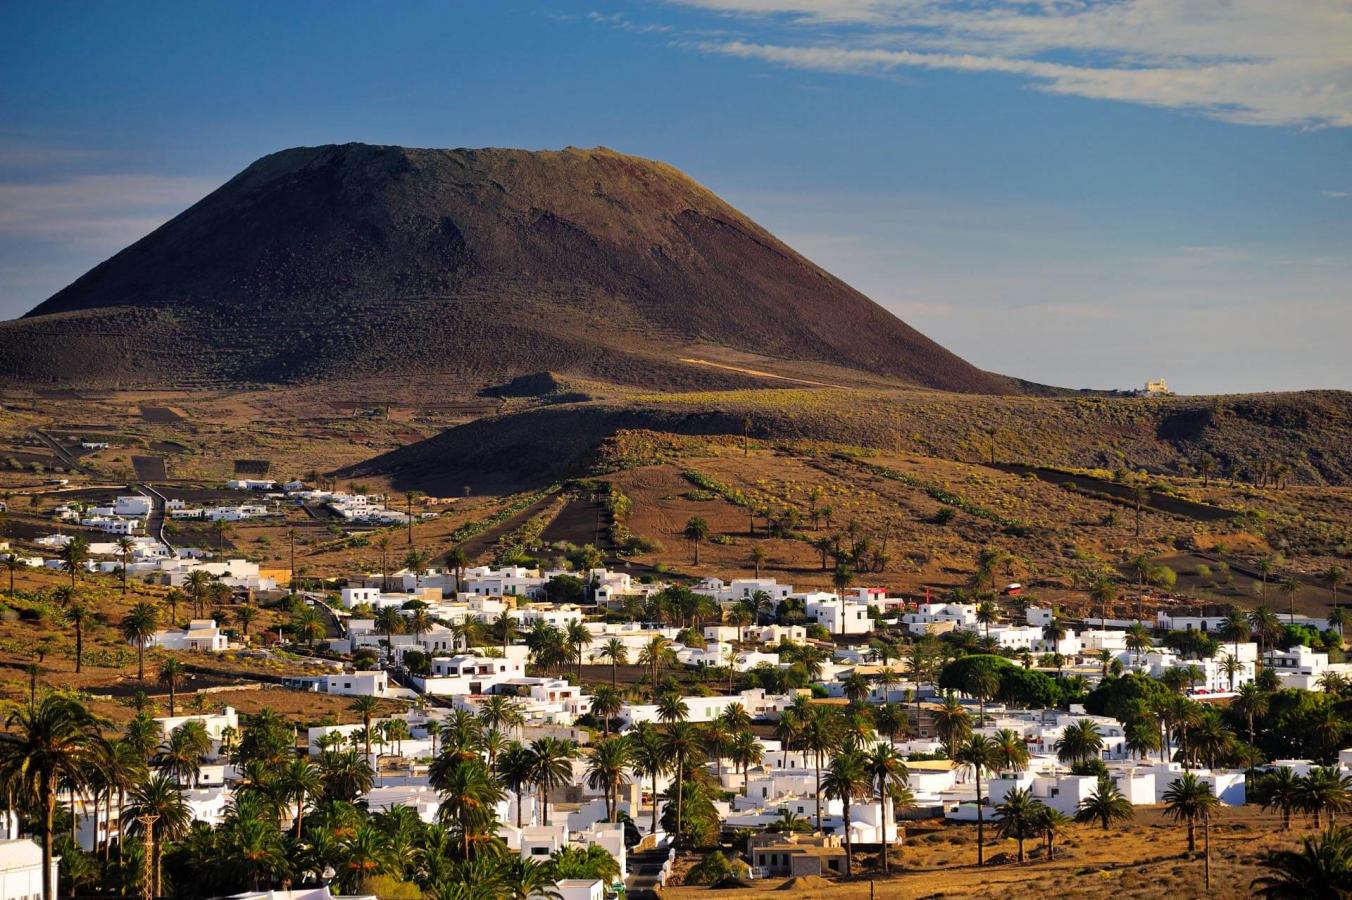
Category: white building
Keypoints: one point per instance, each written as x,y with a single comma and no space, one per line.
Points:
201,635
836,615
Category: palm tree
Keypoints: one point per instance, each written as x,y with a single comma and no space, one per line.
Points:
74,557
888,773
1019,817
125,547
696,532
1281,789
1079,743
1138,640
607,769
952,724
299,782
1009,752
138,629
77,614
648,753
1333,577
615,651
605,705
1322,867
366,707
416,562
551,767
682,742
578,636
158,801
197,582
514,767
975,754
469,793
525,879
1251,701
499,712
671,708
820,737
245,616
758,558
1104,805
456,560
171,673
847,778
1324,790
47,744
1289,587
1188,799
12,564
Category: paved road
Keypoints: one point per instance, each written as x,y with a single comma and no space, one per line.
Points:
155,521
643,871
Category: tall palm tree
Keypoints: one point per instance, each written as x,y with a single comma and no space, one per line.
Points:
125,547
514,767
499,713
1105,804
12,564
848,778
77,614
615,651
366,707
648,753
45,745
456,560
696,531
578,636
551,767
682,742
300,782
198,581
607,770
975,754
1187,799
888,772
1289,587
820,737
138,629
171,673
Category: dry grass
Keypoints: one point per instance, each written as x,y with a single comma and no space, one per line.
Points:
1144,859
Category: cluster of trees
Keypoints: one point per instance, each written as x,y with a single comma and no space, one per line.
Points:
294,819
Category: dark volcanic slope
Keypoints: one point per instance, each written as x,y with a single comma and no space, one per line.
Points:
340,261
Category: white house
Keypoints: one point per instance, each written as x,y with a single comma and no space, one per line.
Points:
201,635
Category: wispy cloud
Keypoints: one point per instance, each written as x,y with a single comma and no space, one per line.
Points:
102,210
1337,195
1251,62
615,20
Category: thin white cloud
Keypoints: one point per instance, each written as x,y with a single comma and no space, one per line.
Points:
1245,61
622,23
104,210
1337,195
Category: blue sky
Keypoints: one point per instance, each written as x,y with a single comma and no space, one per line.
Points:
1080,192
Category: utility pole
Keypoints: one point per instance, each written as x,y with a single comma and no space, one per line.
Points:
150,877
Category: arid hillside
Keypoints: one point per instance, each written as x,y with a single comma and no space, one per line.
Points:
1304,438
338,261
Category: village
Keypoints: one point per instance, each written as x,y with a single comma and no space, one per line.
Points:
626,720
